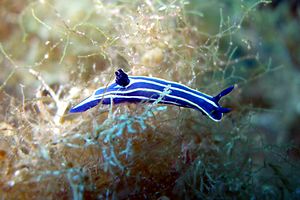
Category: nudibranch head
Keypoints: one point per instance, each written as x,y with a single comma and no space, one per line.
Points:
122,78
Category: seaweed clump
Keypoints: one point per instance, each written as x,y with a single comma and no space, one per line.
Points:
53,54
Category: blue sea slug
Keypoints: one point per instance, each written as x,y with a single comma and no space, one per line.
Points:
135,89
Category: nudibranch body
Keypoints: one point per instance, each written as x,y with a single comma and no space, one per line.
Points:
135,89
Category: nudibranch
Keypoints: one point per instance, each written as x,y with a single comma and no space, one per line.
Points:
135,89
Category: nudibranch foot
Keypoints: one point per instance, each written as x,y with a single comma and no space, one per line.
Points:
136,89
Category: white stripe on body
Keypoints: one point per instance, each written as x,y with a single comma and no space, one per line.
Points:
139,97
171,82
133,81
145,98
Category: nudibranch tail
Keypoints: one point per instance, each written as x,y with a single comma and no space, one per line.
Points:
223,93
217,113
136,89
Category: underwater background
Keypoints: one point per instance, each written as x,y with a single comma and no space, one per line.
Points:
55,53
